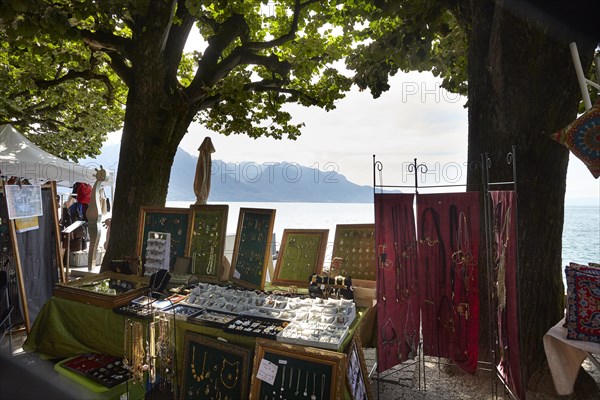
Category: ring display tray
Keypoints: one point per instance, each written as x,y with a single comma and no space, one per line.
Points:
213,318
182,311
248,325
106,290
107,370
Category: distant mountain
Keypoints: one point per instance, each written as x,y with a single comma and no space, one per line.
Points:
248,181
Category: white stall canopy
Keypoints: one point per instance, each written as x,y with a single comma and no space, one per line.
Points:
19,157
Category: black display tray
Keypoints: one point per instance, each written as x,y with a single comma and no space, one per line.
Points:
108,371
143,311
218,319
183,312
249,325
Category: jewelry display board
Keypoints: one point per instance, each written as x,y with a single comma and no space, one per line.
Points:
175,221
107,290
207,241
359,383
294,372
252,248
301,255
355,244
214,369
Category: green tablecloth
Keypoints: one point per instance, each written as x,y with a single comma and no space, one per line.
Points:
66,328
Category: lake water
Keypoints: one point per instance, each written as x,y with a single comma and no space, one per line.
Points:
581,234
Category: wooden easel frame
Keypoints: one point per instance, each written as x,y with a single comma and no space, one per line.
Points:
17,256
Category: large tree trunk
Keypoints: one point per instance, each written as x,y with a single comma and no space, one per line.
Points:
522,87
151,134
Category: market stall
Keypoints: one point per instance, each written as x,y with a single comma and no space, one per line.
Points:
233,332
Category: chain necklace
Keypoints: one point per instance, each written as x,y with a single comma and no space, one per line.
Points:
229,376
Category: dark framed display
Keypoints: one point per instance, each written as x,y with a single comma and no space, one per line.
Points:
207,241
252,249
295,372
213,369
355,244
301,255
357,374
175,221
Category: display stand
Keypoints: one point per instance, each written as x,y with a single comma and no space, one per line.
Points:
67,231
512,384
158,252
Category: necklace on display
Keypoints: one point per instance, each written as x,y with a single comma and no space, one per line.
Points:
229,376
194,374
322,385
313,396
298,382
282,383
306,385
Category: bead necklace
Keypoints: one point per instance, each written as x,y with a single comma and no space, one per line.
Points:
203,375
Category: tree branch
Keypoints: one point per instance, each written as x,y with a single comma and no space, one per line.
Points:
275,85
178,35
290,35
103,41
119,64
227,32
72,75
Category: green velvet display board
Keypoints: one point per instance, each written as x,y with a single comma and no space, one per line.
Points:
213,369
252,247
301,255
175,221
207,241
355,244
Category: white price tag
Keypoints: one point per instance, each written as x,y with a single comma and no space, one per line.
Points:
267,371
283,362
236,274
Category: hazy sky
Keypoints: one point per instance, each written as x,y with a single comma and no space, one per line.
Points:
416,118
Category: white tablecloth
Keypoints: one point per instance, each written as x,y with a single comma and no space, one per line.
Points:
565,357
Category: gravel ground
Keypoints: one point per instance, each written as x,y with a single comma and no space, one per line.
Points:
446,382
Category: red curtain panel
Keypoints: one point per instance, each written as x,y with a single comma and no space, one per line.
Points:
504,225
397,283
448,248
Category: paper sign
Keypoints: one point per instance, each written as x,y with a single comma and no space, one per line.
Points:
267,371
23,201
26,224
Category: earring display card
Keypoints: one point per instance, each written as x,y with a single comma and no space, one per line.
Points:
252,247
104,369
207,241
355,245
213,369
301,255
292,372
175,221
